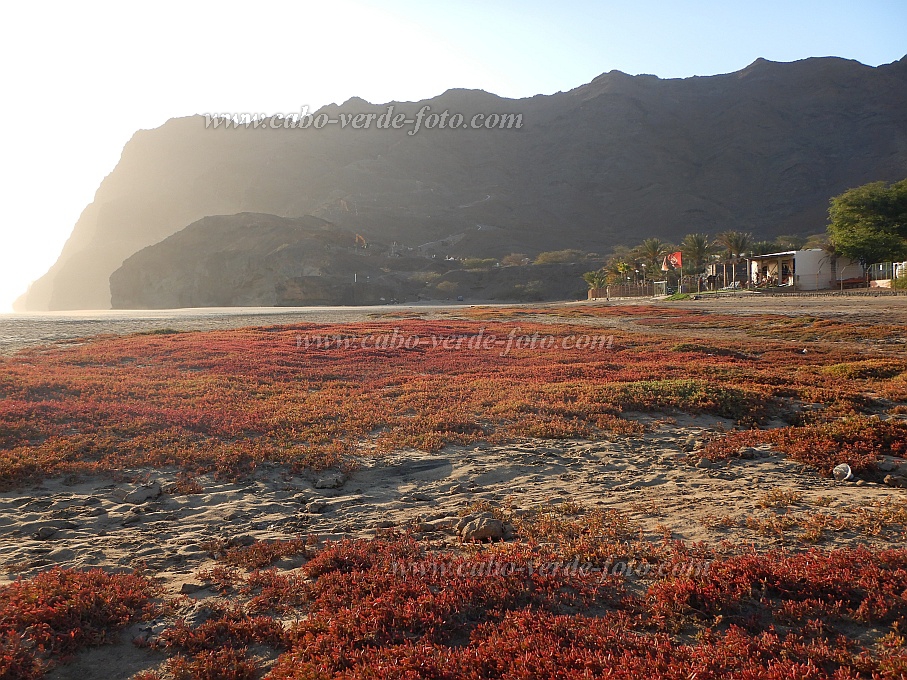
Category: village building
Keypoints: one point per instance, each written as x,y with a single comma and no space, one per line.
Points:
813,269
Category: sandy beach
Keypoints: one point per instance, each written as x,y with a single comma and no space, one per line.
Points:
657,480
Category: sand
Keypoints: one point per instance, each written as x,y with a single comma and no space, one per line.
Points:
84,523
18,331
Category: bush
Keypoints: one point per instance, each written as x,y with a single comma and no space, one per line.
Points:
447,287
532,291
515,260
425,277
479,263
559,256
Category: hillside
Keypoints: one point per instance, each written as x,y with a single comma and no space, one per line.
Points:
258,260
609,162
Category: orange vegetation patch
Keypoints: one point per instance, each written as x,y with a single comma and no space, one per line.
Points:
857,441
397,609
588,602
310,396
59,612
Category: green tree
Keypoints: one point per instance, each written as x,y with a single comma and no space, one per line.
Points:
617,268
735,243
765,247
817,241
696,249
869,223
790,242
652,252
868,245
876,205
596,279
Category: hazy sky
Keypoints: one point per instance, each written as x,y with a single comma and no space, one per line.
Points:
79,78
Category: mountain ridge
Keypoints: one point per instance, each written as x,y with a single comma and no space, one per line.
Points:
614,160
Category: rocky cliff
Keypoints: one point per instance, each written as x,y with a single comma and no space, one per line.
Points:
615,160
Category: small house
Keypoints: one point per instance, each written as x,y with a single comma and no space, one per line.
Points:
813,269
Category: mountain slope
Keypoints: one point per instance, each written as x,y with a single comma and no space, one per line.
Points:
612,161
252,259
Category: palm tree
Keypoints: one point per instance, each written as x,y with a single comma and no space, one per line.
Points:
765,247
832,253
696,249
596,279
790,242
652,252
619,264
736,244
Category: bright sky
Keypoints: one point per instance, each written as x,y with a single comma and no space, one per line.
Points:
79,78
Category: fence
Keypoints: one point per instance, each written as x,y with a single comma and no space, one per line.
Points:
882,271
623,290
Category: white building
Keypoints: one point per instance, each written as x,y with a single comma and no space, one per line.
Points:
811,269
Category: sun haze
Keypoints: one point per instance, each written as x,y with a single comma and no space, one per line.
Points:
80,78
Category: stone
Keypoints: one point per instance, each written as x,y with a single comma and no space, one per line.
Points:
315,507
705,464
466,519
46,532
243,540
143,494
897,481
747,453
483,529
446,524
190,587
887,465
334,481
